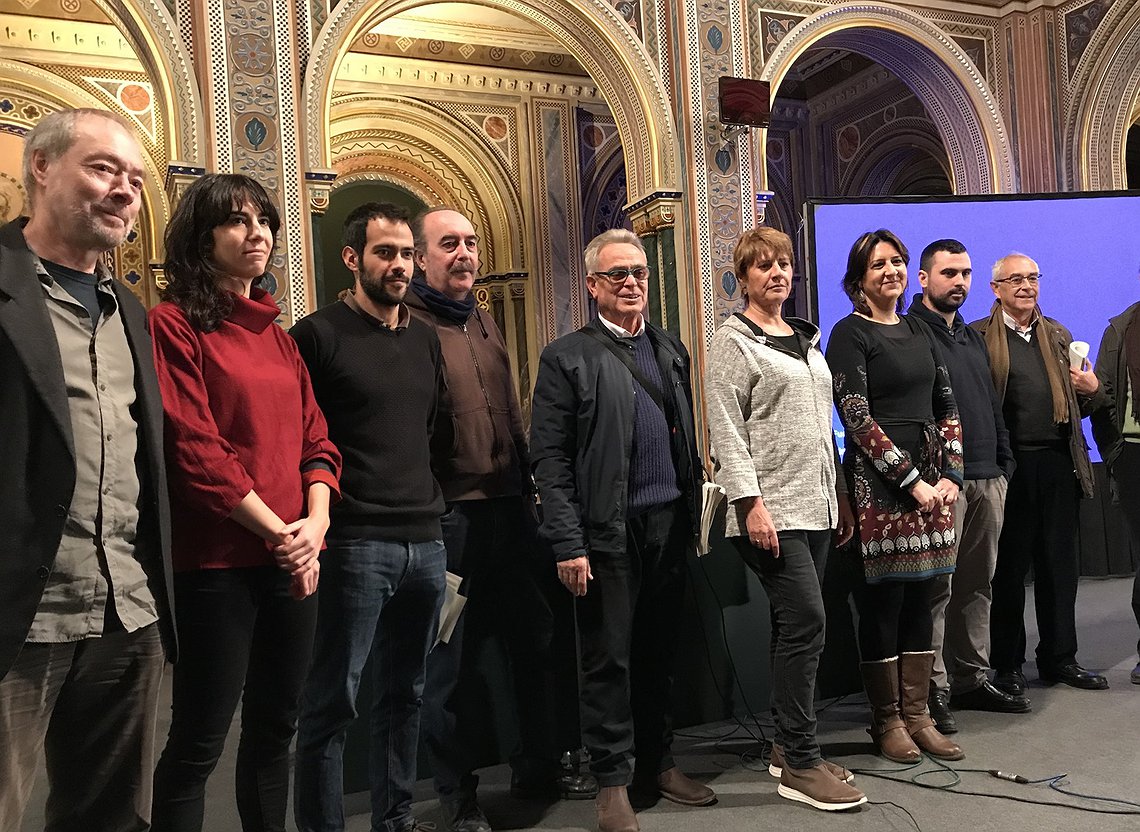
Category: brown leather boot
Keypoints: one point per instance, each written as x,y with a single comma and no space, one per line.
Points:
679,787
881,681
914,679
614,812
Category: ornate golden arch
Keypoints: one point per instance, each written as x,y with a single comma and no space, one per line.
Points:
1101,102
591,30
431,153
158,45
935,69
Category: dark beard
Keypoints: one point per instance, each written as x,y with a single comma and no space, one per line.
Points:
945,305
378,293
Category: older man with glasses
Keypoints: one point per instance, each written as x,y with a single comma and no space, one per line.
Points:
616,464
1043,400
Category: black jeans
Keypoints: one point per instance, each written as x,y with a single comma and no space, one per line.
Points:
792,582
492,544
627,624
241,636
1041,515
1126,472
894,617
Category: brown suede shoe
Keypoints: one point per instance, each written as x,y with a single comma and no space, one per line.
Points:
614,812
819,788
776,766
680,788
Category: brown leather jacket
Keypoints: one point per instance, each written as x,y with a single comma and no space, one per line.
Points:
489,456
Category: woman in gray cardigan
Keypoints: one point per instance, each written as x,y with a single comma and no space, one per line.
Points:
769,407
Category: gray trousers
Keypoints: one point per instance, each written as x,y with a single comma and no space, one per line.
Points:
90,706
961,639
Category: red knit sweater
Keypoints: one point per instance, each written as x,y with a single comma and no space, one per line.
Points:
240,415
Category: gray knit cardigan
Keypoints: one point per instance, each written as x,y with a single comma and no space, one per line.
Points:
769,415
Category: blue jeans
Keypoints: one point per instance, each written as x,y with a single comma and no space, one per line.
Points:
375,595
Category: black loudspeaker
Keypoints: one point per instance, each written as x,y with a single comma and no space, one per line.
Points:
745,101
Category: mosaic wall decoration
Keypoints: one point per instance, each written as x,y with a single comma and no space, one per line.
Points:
470,54
495,126
1080,25
601,172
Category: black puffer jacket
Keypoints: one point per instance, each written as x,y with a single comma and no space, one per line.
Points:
582,434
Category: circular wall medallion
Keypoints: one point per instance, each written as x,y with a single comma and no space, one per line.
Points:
251,54
11,197
495,127
256,131
848,141
135,97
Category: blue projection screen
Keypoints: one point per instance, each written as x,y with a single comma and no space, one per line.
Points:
1087,245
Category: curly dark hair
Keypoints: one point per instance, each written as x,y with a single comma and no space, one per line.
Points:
858,260
190,272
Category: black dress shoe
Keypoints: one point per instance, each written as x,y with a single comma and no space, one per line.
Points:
1011,682
1136,675
986,697
1075,676
567,786
939,706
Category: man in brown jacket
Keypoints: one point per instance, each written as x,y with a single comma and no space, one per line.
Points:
1043,398
491,539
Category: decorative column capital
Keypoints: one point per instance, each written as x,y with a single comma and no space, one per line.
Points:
179,176
762,200
657,211
318,186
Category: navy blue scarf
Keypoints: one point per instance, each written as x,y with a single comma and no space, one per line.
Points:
456,311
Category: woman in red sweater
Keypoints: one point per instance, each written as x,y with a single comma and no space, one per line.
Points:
252,473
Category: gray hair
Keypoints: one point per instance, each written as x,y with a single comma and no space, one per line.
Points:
54,135
609,238
995,274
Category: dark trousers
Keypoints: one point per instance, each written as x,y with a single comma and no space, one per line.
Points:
792,582
1126,472
627,625
378,597
242,636
492,544
1041,514
894,617
89,707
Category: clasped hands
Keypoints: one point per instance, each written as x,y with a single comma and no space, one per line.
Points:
932,498
297,551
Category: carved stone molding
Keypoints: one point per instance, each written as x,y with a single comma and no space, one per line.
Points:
318,187
933,66
593,32
179,177
657,211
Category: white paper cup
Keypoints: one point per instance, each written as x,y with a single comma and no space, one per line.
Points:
1078,352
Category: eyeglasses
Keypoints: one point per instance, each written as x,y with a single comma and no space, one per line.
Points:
618,276
1019,280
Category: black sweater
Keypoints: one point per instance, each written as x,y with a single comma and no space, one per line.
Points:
984,436
379,389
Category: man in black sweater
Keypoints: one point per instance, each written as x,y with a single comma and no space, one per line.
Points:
378,376
615,460
1043,400
961,613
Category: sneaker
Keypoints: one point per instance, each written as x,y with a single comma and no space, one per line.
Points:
464,815
819,788
776,766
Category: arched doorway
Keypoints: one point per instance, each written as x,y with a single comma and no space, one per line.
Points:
932,66
615,63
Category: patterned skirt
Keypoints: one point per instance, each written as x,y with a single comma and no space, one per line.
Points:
897,540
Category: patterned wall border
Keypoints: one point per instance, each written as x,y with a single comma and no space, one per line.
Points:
593,32
1100,101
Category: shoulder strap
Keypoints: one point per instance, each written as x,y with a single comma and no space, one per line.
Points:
625,358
